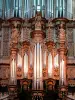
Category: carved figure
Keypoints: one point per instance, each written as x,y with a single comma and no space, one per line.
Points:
38,22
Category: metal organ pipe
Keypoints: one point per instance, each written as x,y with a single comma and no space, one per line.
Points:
38,67
34,87
41,83
50,65
19,61
43,6
56,61
25,65
13,71
61,8
38,2
44,59
62,72
34,7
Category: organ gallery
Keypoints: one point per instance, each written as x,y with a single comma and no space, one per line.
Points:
37,49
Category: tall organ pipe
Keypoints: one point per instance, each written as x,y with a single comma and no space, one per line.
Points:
38,67
25,65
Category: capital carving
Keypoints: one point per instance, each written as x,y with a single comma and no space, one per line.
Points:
50,45
13,53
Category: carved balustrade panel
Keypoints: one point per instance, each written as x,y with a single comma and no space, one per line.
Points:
70,42
71,72
4,74
5,42
69,34
71,75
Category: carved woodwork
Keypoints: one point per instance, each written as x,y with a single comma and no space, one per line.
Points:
19,73
50,83
36,32
71,72
4,74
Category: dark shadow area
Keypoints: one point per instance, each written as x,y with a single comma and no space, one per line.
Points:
25,95
71,89
3,89
22,93
50,95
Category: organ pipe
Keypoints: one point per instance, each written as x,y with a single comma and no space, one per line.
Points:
19,61
38,67
25,65
41,83
35,67
50,65
56,61
13,71
62,72
44,59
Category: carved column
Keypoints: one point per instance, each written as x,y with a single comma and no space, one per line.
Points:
37,38
25,64
50,81
13,80
50,46
61,26
15,24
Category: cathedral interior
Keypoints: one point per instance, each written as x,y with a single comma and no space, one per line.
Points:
37,49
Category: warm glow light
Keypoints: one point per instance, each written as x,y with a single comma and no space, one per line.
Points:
25,65
19,61
50,65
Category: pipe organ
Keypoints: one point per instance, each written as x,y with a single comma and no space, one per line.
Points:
38,51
